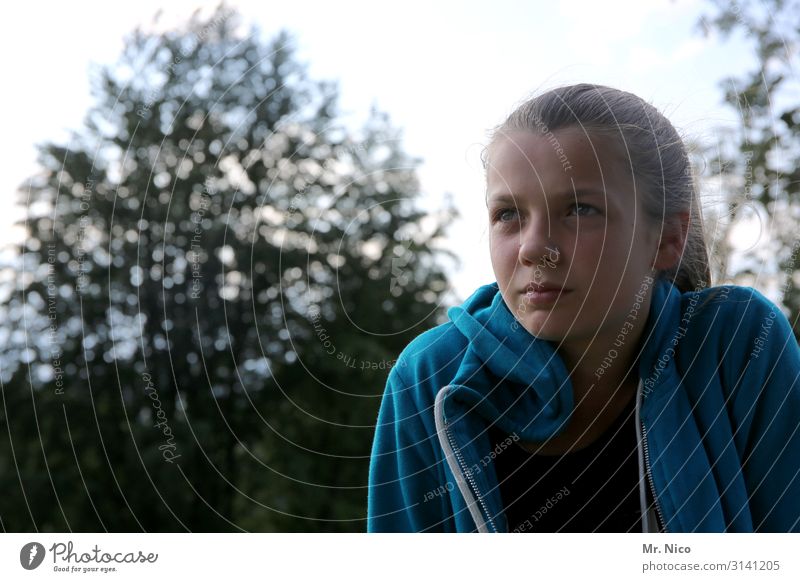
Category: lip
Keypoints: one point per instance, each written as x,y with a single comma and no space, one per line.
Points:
543,293
543,288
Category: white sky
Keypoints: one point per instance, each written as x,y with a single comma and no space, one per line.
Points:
445,72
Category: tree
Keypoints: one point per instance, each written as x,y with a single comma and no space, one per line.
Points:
216,279
757,163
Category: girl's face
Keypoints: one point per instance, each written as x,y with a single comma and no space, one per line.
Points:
563,214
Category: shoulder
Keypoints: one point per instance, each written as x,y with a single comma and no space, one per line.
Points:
734,324
430,361
431,351
728,304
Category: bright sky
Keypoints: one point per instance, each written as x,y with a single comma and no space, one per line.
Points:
445,72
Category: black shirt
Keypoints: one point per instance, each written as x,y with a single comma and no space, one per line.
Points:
595,489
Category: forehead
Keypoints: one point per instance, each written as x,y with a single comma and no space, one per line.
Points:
565,159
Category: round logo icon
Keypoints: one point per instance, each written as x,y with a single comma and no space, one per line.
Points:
31,555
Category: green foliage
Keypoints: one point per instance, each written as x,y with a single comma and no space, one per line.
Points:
216,278
758,162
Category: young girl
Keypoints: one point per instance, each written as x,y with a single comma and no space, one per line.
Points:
600,384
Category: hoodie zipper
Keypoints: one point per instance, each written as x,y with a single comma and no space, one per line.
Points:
468,475
661,523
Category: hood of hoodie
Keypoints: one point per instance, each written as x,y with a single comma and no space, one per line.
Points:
519,381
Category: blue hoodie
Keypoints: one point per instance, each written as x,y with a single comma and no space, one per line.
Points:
718,406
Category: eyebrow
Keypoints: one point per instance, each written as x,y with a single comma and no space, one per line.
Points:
578,193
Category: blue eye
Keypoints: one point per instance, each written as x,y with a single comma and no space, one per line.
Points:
504,214
586,207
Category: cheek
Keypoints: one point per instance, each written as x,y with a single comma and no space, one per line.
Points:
503,251
591,252
607,249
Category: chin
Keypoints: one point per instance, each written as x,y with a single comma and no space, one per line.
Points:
548,331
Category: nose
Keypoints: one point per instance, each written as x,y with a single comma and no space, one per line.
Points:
536,242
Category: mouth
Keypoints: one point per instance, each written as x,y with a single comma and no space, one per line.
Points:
543,293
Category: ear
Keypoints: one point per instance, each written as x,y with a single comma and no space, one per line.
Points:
673,239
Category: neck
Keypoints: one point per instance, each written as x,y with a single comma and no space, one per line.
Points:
601,372
597,401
